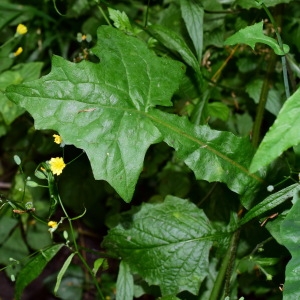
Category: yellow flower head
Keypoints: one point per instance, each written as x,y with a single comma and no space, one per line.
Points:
19,51
21,29
52,224
57,165
57,139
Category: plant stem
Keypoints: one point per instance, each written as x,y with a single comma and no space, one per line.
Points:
262,102
224,273
283,58
78,252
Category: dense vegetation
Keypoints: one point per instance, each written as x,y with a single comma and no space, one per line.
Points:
149,149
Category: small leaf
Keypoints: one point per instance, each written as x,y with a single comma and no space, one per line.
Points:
270,202
124,287
173,253
17,159
254,34
283,134
34,268
62,272
97,264
192,13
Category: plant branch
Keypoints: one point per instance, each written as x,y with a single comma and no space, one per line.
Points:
262,102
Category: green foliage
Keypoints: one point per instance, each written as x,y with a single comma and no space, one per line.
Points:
158,121
174,252
254,34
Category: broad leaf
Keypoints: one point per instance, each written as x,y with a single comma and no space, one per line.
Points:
101,108
192,13
107,110
34,268
290,237
124,287
283,134
173,253
254,34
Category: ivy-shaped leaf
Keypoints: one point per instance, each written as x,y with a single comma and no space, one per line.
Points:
283,134
254,34
107,109
173,253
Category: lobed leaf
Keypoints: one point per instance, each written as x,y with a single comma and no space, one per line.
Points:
172,254
283,134
254,34
107,109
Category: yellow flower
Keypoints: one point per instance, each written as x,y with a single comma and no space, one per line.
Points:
52,224
19,51
21,29
57,165
57,139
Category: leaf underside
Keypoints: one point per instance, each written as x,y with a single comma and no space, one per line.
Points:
108,110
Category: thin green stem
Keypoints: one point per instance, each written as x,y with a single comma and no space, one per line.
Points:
78,252
262,102
283,58
147,13
104,15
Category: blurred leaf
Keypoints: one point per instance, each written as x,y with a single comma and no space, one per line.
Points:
290,228
124,288
71,287
283,134
253,4
34,268
172,254
274,104
254,34
38,235
192,13
6,225
62,271
218,110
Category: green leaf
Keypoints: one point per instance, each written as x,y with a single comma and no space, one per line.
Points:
290,228
34,268
125,287
106,103
173,253
112,117
192,13
254,34
97,264
283,134
271,202
274,102
253,4
20,73
212,155
62,272
175,43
